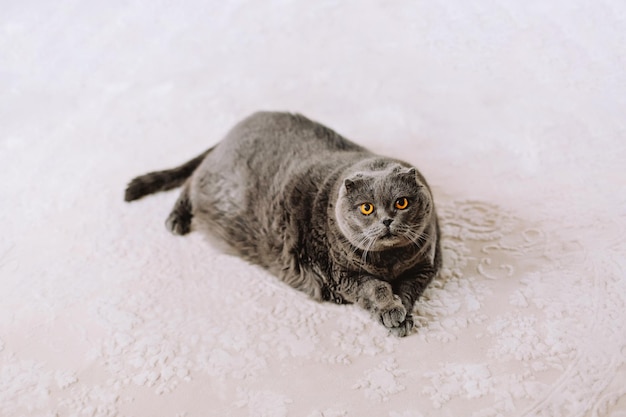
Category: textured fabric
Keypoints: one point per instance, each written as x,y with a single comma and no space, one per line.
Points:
514,111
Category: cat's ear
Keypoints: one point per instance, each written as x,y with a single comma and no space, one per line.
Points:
349,184
411,176
352,183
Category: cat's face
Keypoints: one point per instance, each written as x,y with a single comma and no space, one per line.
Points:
382,209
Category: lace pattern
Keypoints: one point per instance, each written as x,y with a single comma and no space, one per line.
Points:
525,327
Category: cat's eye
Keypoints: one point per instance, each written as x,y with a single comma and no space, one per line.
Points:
402,203
367,208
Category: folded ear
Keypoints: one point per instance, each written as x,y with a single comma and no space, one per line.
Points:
409,173
411,176
353,183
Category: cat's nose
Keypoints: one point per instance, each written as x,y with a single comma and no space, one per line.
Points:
387,222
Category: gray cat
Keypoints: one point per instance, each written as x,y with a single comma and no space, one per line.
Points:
323,214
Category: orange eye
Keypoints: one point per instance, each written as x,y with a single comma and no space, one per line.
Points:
367,208
402,203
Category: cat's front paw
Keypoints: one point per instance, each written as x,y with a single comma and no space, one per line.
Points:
392,315
404,328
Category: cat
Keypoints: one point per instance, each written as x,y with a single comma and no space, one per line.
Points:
325,215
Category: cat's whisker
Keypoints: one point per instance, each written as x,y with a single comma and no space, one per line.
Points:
360,245
367,249
418,239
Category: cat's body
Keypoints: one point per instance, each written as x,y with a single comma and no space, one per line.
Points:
323,214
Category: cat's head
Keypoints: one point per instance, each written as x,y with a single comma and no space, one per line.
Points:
383,205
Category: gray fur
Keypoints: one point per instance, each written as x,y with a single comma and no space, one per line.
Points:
284,192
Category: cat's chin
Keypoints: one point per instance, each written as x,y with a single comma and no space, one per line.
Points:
390,241
386,242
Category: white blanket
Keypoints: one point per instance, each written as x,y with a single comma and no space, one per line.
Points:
514,110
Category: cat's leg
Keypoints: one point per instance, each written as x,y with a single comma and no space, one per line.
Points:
179,220
408,289
377,297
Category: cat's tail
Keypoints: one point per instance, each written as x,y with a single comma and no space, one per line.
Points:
154,182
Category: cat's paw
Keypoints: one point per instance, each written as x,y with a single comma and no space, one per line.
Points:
392,315
178,225
404,328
